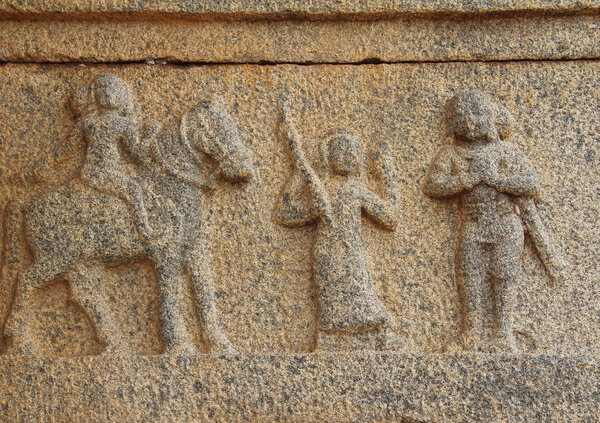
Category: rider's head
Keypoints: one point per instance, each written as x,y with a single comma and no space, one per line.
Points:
112,93
473,117
505,122
344,152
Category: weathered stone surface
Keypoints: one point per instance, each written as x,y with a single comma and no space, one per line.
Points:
273,236
451,38
304,388
291,7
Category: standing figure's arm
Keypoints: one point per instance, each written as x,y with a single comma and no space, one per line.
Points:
294,207
378,210
444,177
516,174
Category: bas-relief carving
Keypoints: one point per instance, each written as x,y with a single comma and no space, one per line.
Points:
139,191
137,194
334,195
496,185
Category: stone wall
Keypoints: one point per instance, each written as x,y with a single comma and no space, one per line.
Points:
271,280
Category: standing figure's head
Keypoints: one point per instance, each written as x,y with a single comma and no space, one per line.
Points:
505,122
343,151
112,93
473,117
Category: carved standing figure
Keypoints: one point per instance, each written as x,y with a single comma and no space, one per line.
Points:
489,176
101,218
335,201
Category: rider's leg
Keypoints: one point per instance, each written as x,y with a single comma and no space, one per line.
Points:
113,183
198,264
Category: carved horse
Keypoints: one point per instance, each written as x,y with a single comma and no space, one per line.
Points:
73,230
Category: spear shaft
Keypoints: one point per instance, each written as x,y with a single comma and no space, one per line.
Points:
319,194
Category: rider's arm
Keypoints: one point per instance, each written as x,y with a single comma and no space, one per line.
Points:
294,207
68,148
136,144
65,151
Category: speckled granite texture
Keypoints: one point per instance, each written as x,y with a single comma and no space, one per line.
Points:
304,388
236,212
294,7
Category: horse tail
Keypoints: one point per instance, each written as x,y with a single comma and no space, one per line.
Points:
12,257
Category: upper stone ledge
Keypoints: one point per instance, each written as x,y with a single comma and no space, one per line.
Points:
290,8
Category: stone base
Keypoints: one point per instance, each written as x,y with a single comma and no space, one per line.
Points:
316,387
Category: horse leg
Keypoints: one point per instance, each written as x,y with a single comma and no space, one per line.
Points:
16,326
85,289
201,275
177,337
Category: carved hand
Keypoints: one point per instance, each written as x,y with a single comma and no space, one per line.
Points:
468,174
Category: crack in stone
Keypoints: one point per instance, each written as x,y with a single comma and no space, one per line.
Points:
367,61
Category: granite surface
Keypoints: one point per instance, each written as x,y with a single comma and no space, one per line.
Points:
362,387
263,272
415,39
299,211
252,8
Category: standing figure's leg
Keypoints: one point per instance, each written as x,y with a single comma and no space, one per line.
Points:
506,269
472,276
85,287
198,264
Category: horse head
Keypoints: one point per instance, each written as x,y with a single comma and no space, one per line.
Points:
207,128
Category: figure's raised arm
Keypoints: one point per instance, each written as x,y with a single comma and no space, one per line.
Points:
443,178
380,211
318,194
294,207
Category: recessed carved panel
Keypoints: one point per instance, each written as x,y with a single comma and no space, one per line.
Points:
146,209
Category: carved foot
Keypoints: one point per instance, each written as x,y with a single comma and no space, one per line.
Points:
25,349
14,343
504,345
390,340
458,345
185,350
223,347
113,350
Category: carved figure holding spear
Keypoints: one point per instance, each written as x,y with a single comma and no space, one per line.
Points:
335,201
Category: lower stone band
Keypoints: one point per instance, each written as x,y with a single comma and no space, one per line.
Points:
316,387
